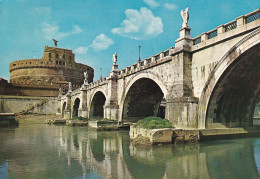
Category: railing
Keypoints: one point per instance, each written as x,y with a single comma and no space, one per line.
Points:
212,34
252,17
240,21
166,53
144,63
197,41
231,26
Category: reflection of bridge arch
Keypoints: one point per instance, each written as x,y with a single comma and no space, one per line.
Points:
97,103
142,97
229,95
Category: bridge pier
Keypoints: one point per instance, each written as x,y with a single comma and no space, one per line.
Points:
182,111
83,111
111,108
67,111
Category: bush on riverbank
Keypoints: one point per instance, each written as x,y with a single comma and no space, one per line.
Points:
153,123
80,118
106,120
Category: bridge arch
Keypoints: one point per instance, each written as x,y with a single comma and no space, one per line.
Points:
75,109
97,102
231,91
63,109
142,96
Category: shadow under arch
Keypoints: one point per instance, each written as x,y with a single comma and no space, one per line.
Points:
76,108
229,95
142,98
63,109
97,105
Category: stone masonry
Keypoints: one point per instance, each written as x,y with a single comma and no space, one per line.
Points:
45,76
210,81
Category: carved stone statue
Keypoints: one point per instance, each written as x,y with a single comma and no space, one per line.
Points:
60,92
55,42
86,77
70,86
114,58
185,17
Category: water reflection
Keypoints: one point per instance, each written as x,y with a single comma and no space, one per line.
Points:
44,151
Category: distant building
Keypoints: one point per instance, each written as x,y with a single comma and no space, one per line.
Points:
44,77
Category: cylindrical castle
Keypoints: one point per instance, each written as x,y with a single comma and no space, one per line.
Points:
56,68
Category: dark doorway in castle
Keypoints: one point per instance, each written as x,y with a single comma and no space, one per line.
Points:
76,107
143,99
234,98
63,109
97,106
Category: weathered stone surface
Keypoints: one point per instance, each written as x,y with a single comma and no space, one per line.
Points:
76,123
150,136
182,136
210,81
28,105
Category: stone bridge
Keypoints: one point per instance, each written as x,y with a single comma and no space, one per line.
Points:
210,81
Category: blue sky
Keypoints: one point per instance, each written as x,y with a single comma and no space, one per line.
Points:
95,29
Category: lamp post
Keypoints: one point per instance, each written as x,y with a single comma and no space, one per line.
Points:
139,53
100,73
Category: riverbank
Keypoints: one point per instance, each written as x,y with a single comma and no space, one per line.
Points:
34,118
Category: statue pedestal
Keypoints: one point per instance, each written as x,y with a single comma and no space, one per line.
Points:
114,71
185,40
185,32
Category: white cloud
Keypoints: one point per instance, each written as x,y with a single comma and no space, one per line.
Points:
81,50
43,10
170,6
101,42
76,30
139,25
53,31
151,3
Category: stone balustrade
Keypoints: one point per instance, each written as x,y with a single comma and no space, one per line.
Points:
97,83
228,27
146,63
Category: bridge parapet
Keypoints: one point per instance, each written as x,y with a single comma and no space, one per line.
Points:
76,91
154,60
222,32
97,83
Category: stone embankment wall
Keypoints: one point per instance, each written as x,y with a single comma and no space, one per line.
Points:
26,104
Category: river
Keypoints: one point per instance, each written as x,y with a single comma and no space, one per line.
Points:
48,151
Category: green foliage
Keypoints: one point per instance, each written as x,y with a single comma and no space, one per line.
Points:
58,110
153,123
80,118
105,120
258,102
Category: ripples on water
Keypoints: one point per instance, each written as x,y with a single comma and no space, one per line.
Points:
47,151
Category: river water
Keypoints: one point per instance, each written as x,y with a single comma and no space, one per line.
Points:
48,151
